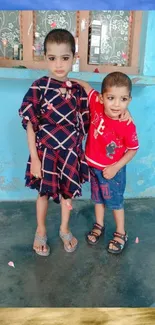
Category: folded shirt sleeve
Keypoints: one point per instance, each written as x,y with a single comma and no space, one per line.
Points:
131,138
30,108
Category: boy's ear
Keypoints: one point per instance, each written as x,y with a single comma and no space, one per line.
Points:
100,97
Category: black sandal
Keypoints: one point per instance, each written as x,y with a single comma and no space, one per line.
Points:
118,245
95,234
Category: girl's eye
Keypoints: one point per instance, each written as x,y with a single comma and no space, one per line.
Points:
124,99
51,58
110,98
65,58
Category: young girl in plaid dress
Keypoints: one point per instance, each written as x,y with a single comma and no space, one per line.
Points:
55,114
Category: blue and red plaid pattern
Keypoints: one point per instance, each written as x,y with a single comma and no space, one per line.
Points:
59,115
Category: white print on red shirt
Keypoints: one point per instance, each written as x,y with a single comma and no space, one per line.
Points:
134,137
100,129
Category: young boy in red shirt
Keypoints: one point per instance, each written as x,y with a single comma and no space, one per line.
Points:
110,145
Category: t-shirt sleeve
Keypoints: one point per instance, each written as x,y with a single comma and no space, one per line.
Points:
84,110
93,99
30,108
131,138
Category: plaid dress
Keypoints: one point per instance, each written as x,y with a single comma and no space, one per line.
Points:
59,115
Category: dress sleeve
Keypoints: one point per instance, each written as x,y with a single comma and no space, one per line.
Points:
30,108
84,111
131,138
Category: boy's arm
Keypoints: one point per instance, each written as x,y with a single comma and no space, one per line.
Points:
110,171
84,84
125,159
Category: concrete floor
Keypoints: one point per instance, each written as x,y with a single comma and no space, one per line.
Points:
89,277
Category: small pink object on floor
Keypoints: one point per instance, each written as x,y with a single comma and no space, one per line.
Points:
11,264
137,240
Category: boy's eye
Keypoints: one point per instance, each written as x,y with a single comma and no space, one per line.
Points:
51,58
124,99
110,98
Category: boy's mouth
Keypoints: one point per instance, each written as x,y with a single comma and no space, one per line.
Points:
115,110
59,71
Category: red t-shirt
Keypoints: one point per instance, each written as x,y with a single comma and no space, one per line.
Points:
108,139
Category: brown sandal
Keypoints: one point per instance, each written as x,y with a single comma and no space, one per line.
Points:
117,244
97,236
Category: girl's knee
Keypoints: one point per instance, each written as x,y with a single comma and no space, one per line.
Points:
43,198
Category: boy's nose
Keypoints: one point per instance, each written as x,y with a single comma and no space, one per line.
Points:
58,63
116,102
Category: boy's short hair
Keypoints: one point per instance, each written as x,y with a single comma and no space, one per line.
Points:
60,36
117,79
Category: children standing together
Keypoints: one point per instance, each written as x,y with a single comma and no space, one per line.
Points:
57,114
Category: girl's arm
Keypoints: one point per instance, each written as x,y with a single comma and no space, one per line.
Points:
35,161
110,171
126,116
84,84
31,138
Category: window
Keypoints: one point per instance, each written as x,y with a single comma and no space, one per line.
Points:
111,40
107,40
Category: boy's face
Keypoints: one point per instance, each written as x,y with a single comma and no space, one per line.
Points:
115,100
59,58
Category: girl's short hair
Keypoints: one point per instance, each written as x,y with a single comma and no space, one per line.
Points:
117,79
60,36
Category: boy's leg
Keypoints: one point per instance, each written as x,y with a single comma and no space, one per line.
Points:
99,214
64,227
97,197
119,220
41,210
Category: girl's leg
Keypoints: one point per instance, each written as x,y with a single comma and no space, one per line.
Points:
99,214
41,210
64,227
119,220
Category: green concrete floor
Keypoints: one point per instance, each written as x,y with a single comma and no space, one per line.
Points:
89,277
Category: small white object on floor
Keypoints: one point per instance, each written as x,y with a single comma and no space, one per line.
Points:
11,264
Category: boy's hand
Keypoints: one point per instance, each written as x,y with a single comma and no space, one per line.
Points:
35,169
110,171
126,116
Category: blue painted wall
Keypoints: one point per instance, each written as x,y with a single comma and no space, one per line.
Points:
14,151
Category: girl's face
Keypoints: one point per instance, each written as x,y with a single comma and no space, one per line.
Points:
59,58
116,101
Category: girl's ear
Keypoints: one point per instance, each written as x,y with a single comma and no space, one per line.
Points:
100,97
74,59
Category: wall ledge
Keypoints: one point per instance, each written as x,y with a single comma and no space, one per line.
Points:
95,78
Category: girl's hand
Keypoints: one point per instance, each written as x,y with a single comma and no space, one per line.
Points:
126,116
110,171
35,169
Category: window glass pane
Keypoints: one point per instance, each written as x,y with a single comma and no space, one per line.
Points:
10,46
47,20
109,37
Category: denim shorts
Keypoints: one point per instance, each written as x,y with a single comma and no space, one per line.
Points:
108,191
